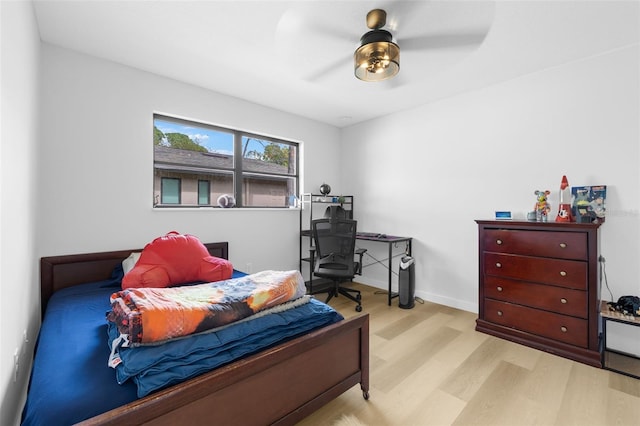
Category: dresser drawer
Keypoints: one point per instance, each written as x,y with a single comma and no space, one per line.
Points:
562,245
558,327
560,300
564,273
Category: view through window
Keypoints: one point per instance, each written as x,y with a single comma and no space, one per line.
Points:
195,163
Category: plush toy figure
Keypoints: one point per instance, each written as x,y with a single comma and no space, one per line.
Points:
542,206
176,259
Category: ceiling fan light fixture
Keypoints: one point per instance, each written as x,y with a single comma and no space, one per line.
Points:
378,57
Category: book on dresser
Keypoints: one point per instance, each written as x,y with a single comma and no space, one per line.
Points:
538,286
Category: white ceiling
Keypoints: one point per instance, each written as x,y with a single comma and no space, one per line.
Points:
296,56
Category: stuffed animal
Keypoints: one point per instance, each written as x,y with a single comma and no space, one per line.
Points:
627,305
542,206
176,259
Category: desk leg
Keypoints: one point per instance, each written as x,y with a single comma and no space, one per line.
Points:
389,295
603,349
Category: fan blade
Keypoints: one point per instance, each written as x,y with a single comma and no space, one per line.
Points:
329,68
441,41
311,42
296,22
332,31
401,13
395,82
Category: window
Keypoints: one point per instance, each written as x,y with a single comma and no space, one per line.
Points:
203,192
170,190
208,161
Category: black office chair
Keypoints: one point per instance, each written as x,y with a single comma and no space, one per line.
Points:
333,257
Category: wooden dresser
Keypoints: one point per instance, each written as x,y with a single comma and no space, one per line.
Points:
539,286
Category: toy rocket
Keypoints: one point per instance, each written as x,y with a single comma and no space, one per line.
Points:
564,206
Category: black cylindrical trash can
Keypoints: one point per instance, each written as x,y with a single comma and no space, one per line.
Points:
406,283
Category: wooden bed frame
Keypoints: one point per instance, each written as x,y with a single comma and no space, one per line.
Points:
280,385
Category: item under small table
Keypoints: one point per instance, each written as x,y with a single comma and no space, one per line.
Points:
615,360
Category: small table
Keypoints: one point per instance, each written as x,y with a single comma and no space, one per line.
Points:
613,360
390,240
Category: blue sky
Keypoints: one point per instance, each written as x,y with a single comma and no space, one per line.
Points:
212,140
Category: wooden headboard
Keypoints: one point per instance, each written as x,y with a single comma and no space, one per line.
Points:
58,272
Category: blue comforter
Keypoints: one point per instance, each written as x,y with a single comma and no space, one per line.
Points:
156,367
71,381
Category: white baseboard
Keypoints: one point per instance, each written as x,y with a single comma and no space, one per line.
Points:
464,305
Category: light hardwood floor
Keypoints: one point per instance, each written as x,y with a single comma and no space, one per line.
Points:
430,367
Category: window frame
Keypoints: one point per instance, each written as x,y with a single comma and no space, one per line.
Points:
238,170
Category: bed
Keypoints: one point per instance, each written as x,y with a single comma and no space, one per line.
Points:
278,385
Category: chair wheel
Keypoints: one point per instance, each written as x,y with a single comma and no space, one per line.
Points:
358,308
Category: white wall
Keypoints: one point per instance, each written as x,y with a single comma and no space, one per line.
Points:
440,166
19,70
97,162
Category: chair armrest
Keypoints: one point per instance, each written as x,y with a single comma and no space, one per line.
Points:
360,252
312,257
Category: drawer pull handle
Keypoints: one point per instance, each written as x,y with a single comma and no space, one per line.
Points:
563,245
498,265
563,274
499,313
499,242
499,288
563,301
563,329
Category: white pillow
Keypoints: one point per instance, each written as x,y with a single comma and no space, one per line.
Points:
130,261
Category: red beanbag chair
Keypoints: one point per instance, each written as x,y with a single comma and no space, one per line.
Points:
176,259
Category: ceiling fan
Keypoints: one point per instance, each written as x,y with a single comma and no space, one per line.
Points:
321,43
378,57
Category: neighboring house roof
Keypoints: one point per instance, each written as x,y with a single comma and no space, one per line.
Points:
194,161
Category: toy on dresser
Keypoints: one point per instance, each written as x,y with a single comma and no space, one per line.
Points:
542,206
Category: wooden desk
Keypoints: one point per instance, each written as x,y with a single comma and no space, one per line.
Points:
390,240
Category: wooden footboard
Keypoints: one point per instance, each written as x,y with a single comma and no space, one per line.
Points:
280,385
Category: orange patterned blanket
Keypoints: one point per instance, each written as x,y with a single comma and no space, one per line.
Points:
153,315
